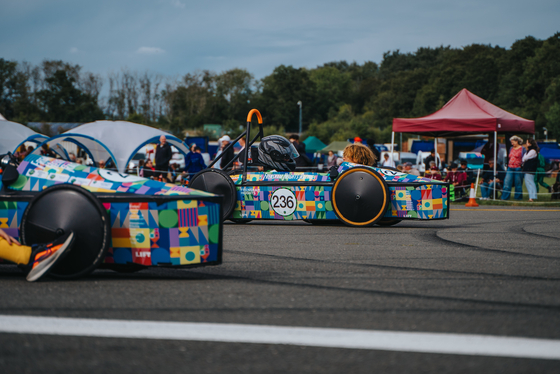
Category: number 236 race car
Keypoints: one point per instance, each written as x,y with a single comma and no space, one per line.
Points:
267,188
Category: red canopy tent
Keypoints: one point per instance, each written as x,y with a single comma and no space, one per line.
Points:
464,114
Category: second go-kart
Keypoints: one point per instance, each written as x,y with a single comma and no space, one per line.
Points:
268,188
121,222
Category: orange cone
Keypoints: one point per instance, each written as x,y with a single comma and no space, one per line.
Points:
472,198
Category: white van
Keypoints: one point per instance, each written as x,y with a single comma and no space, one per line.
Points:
421,157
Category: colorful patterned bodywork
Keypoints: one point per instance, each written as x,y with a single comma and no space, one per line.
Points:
152,223
412,197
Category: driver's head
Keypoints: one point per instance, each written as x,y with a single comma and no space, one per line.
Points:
277,153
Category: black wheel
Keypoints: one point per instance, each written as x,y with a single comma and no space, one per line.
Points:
217,182
360,197
240,220
322,222
63,208
388,222
124,268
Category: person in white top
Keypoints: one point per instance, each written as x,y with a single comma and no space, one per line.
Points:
387,161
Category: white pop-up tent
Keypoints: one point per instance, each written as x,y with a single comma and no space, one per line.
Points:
13,134
119,140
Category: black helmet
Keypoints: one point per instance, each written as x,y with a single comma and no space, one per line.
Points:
278,153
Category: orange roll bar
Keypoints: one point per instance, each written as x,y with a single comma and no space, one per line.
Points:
250,115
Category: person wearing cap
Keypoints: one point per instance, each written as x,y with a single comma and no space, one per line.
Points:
227,154
409,170
433,172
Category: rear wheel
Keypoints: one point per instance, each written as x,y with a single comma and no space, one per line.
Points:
63,208
360,197
217,182
388,222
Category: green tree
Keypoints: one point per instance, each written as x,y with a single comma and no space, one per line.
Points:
63,102
280,93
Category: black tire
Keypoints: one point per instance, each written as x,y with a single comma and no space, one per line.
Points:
388,222
360,197
125,268
322,222
240,220
217,182
63,208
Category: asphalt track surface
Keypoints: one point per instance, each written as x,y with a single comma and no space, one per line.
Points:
491,271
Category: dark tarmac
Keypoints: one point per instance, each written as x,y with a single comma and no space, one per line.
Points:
487,270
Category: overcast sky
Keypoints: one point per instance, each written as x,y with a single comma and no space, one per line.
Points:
174,37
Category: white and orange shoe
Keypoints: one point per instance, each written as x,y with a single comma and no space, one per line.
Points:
45,256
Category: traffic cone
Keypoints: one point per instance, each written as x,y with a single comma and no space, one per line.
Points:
472,198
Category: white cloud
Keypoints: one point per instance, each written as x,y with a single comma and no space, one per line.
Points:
178,4
74,50
149,51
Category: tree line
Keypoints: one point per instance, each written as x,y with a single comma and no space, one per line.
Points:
339,99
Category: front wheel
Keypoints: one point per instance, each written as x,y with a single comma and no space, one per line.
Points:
63,208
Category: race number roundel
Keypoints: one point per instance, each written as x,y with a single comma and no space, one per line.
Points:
283,202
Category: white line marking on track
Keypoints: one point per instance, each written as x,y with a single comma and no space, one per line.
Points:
460,344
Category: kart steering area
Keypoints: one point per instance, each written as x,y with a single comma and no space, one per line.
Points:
360,196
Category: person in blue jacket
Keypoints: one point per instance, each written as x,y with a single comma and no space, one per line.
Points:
194,162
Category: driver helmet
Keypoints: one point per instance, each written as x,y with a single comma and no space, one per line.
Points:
278,153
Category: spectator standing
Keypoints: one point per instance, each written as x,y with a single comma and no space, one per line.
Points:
530,164
514,174
331,160
302,160
194,162
539,175
163,156
228,154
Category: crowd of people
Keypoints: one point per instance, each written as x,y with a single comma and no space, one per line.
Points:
525,166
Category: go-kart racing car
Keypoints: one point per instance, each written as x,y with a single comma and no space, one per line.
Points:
355,194
120,222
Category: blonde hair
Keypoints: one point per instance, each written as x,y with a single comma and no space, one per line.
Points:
359,154
517,139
